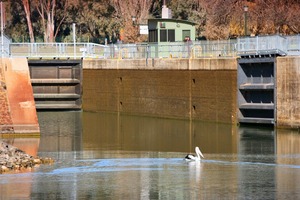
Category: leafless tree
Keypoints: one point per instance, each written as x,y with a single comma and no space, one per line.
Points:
126,9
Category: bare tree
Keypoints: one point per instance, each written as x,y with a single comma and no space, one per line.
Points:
226,17
126,9
223,18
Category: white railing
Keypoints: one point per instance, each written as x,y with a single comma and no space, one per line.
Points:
57,50
262,45
276,44
4,46
293,45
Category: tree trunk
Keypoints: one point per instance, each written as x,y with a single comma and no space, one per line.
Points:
46,9
28,18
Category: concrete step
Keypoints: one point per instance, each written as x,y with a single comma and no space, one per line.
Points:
54,81
57,107
257,86
257,120
56,96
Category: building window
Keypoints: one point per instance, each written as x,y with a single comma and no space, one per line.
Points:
167,35
163,36
171,35
186,34
153,35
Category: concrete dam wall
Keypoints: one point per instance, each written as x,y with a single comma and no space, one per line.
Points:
202,89
288,92
17,106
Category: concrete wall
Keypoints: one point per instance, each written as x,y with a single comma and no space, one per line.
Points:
19,114
288,92
5,117
203,89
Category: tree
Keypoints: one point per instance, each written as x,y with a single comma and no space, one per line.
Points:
26,5
100,19
16,28
126,9
96,19
274,17
226,17
190,10
47,13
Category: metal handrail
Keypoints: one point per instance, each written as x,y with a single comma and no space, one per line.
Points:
289,45
258,45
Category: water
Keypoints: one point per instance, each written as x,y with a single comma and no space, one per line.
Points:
114,156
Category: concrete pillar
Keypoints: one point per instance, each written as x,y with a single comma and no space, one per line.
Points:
16,96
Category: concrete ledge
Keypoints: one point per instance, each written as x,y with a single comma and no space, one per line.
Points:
257,86
260,106
56,96
163,64
57,106
55,81
257,120
20,128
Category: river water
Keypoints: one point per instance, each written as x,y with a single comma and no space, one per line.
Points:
117,156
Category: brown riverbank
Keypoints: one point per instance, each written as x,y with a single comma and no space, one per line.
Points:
13,159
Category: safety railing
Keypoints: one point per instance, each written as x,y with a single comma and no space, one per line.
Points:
124,51
4,42
60,50
276,44
293,45
197,49
260,45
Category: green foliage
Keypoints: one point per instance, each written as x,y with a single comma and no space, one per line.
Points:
95,20
16,26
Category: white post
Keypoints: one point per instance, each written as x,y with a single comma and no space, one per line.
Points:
257,44
74,39
2,39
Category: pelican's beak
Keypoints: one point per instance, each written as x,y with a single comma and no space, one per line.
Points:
201,154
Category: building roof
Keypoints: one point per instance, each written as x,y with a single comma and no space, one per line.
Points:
171,20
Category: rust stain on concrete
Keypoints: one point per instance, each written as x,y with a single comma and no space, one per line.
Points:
19,94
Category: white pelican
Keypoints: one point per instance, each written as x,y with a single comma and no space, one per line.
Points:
198,156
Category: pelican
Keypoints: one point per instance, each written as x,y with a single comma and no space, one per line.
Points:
198,156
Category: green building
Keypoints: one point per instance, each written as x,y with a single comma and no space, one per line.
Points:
170,30
169,37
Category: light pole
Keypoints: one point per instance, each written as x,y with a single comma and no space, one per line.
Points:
2,34
246,18
74,38
133,18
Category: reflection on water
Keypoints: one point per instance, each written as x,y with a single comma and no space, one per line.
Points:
288,151
136,133
257,145
60,131
114,156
